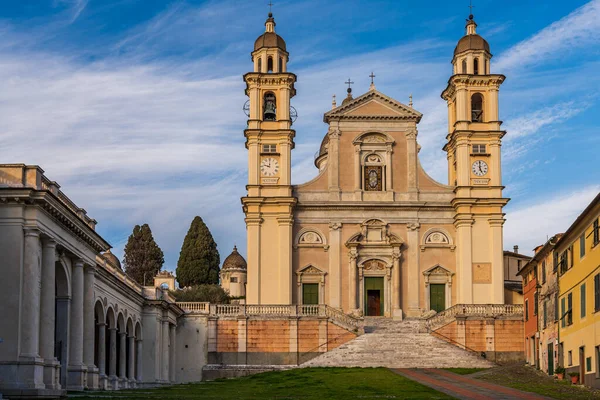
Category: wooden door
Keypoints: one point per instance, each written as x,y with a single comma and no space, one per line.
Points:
310,293
550,359
373,302
437,297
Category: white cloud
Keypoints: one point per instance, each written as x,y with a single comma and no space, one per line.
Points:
581,28
532,122
549,213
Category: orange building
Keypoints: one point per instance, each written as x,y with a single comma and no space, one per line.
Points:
530,312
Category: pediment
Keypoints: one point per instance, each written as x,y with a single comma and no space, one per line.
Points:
374,105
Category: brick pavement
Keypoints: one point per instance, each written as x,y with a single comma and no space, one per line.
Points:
463,387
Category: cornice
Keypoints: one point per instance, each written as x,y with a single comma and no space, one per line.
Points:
339,112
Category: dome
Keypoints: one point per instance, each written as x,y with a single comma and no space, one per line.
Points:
270,38
471,42
234,261
112,259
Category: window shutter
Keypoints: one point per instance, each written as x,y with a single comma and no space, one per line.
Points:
597,292
582,294
563,311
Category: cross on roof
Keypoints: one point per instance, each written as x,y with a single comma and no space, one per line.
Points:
372,76
270,6
349,83
471,7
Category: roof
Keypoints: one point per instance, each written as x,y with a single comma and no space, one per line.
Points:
111,258
270,38
516,255
581,216
471,42
514,286
234,261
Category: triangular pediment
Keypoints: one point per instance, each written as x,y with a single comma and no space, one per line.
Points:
373,105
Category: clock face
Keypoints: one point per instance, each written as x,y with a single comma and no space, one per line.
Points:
480,168
269,167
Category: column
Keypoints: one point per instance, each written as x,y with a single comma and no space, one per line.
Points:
88,326
102,353
497,253
131,358
47,312
388,169
335,273
76,380
112,359
172,353
138,360
464,269
411,171
414,281
352,305
31,290
253,246
285,259
396,311
357,168
333,165
165,350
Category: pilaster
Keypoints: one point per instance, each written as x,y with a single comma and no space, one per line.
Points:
88,327
77,370
414,282
335,264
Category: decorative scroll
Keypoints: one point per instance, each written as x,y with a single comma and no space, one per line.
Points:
374,265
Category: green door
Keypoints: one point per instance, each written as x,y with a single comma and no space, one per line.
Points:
374,301
310,293
437,297
550,359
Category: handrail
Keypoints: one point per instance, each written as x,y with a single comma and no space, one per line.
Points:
491,310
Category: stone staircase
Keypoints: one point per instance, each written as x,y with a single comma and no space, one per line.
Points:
398,344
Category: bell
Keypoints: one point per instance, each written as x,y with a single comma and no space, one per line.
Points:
270,113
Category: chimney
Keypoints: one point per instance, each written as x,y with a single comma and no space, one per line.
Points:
516,249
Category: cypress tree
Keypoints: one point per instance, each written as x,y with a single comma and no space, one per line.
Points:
199,258
142,255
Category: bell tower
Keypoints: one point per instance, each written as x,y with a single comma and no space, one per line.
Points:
474,169
269,204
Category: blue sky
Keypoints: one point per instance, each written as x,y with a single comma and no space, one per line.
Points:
135,106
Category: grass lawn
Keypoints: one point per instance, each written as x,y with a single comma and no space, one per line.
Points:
531,380
305,383
465,371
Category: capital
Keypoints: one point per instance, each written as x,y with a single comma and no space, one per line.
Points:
412,134
32,231
413,226
49,243
78,263
334,226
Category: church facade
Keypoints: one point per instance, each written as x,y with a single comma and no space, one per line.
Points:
373,234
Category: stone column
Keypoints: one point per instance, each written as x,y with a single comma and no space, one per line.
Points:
352,305
464,269
357,170
138,360
102,354
88,327
414,281
112,359
47,312
412,171
253,295
497,258
77,369
31,289
335,272
388,169
131,359
122,356
172,352
333,165
396,311
165,350
285,259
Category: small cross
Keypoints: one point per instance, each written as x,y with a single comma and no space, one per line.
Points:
372,76
471,7
349,83
270,6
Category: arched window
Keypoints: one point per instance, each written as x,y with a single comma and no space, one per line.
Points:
464,67
270,106
477,107
270,64
476,66
260,65
280,64
373,171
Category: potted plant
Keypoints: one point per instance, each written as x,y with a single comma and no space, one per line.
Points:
560,373
574,377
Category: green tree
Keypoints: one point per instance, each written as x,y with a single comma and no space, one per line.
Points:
142,255
199,258
214,294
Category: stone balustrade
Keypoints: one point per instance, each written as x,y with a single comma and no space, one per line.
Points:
484,310
301,310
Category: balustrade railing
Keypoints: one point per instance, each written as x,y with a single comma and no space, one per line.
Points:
489,310
302,310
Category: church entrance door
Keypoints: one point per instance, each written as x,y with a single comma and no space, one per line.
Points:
437,297
374,297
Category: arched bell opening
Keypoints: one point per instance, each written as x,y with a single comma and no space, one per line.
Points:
477,108
269,107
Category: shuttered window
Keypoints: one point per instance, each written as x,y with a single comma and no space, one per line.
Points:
582,294
563,310
535,303
570,309
597,292
582,246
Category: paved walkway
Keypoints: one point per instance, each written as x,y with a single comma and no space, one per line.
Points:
463,387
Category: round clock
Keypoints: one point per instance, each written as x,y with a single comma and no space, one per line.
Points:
480,168
269,167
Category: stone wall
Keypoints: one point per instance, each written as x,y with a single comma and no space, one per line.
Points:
500,338
271,341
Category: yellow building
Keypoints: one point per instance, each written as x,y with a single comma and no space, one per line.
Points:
373,233
579,288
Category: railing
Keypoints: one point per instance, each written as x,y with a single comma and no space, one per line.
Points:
490,310
301,310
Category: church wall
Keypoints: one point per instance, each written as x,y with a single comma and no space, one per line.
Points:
191,347
482,279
